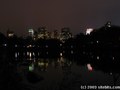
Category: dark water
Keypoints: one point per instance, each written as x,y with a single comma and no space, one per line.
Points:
53,74
62,73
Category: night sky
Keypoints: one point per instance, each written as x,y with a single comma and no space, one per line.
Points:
19,15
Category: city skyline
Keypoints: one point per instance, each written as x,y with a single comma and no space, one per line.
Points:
78,15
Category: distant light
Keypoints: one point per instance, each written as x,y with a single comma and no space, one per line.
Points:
16,55
110,73
27,53
61,54
31,67
98,57
97,41
88,31
30,45
33,54
71,52
60,44
89,67
40,63
5,45
113,58
10,34
30,54
15,45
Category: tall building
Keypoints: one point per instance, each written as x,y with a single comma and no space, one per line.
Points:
65,34
54,34
31,32
42,33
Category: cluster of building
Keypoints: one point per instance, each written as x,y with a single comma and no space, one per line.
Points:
43,33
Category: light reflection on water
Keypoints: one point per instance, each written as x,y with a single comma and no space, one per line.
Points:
63,72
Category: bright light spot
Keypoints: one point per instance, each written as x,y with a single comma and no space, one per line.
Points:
40,63
16,55
61,54
31,67
33,54
30,54
88,31
113,58
10,34
30,45
89,67
15,45
110,73
98,57
97,41
71,52
60,44
5,45
27,53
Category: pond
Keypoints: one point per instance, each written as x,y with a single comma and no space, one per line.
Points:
61,73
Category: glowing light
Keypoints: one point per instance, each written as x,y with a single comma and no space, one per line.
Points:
10,34
61,54
33,54
40,63
113,58
88,31
16,55
27,53
60,44
97,41
5,45
30,54
31,67
15,45
98,57
71,52
110,73
89,67
30,45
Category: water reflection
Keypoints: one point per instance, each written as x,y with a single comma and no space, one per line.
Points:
90,68
87,69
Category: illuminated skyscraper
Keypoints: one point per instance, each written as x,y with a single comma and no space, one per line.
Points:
31,32
42,33
65,34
